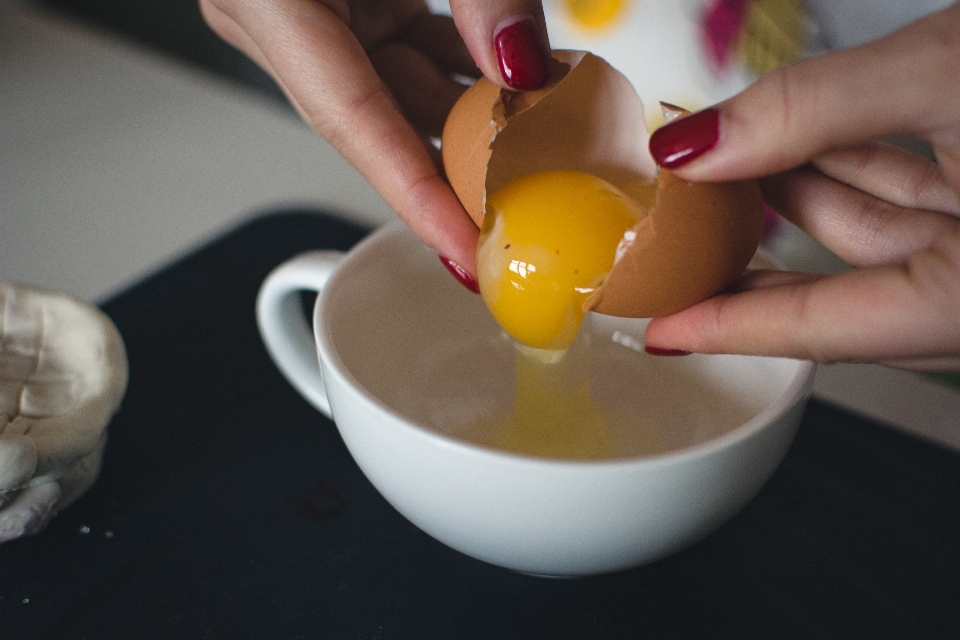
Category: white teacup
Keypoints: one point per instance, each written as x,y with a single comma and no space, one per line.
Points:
402,350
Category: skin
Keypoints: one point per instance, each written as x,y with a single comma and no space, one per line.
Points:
358,72
892,215
374,78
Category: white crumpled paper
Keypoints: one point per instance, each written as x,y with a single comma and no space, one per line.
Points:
63,372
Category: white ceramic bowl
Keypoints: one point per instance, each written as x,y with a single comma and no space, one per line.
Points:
388,310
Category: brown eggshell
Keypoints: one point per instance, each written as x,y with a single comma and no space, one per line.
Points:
695,241
588,119
465,147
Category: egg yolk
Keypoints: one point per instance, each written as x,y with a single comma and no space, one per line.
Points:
553,414
548,240
593,14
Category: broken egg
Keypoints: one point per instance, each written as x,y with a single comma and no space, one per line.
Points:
665,245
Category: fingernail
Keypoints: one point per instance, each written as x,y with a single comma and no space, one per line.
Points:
460,274
685,139
658,351
523,58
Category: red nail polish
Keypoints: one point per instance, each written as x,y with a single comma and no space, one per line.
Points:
674,145
658,351
523,58
460,274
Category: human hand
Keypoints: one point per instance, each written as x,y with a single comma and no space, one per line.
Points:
375,79
812,129
63,371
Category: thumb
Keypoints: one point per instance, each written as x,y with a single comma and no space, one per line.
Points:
906,83
507,39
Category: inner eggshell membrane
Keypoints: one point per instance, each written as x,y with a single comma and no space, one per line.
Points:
588,119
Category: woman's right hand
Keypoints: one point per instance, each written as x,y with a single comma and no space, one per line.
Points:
375,78
810,132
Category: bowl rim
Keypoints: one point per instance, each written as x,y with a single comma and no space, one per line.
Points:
796,391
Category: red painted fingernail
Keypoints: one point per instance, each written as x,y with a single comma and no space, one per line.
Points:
674,145
522,55
460,274
658,351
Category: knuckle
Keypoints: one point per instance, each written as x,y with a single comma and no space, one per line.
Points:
783,96
927,187
341,123
873,219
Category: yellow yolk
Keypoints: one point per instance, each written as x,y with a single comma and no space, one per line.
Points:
553,414
548,240
593,14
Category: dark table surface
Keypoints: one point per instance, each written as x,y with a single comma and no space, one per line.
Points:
229,508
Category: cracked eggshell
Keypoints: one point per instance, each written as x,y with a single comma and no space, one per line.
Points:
695,240
588,119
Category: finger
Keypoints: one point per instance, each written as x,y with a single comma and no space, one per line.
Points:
328,75
438,38
897,85
860,228
507,39
893,174
752,280
947,152
231,32
868,315
425,94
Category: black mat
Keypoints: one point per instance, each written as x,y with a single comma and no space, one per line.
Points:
228,508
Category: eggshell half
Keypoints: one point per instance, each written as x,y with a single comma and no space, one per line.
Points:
695,241
588,119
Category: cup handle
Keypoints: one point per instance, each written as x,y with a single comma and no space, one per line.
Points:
285,331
